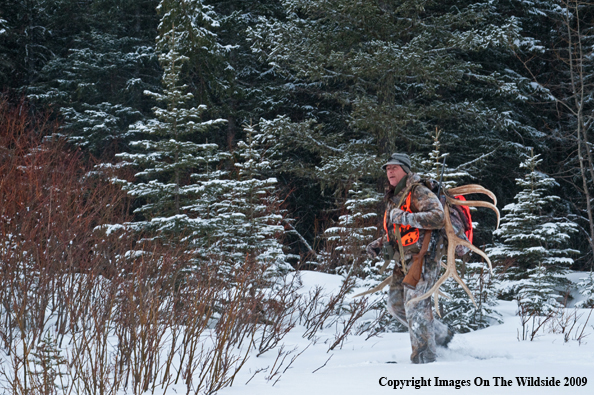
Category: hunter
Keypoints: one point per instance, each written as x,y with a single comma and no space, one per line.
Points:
414,216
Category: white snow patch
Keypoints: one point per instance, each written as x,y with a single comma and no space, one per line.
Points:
357,368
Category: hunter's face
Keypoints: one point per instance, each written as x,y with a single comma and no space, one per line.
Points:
395,174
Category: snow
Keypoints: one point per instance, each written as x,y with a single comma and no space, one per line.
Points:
358,367
361,366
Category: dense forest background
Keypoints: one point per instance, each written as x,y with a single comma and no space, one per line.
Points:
321,91
163,164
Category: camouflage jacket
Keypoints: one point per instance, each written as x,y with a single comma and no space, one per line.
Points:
427,213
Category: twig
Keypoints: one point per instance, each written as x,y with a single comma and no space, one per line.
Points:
581,336
294,358
323,364
293,230
257,371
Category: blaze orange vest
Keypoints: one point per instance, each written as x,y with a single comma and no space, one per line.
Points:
408,234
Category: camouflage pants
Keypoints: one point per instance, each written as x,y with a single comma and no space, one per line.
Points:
425,331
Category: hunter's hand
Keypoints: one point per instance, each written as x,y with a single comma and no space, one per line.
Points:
372,250
397,216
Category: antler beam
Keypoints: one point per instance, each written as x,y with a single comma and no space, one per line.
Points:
454,240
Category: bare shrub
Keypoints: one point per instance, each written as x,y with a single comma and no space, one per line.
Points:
315,310
102,310
346,323
532,322
567,321
49,208
278,315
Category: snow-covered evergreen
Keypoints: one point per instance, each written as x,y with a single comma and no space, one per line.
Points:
459,311
586,289
250,217
537,293
96,77
533,232
179,179
355,228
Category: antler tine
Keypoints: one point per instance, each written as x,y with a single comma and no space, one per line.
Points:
450,271
436,296
477,250
376,288
475,203
473,188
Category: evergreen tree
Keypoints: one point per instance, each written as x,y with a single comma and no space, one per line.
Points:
586,289
459,311
26,41
250,90
572,94
533,232
356,228
188,196
195,23
4,58
180,179
49,366
287,143
251,216
537,294
381,76
557,78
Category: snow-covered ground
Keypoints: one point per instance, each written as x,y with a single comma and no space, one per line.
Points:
473,359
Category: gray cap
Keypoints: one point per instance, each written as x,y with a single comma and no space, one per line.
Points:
399,159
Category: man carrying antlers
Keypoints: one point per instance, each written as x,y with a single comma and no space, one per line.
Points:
412,214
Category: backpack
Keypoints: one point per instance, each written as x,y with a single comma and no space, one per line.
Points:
460,216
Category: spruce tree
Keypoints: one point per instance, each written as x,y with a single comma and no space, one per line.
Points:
537,294
459,311
27,39
50,367
179,179
533,231
557,77
356,227
5,61
250,91
250,213
381,76
586,289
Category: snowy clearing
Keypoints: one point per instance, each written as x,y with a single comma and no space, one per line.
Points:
485,354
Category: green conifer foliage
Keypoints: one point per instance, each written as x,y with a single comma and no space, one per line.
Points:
356,227
177,173
586,289
533,232
102,59
459,311
26,44
381,76
537,294
49,366
250,91
251,217
395,67
195,23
